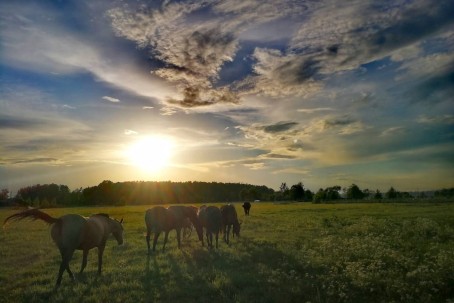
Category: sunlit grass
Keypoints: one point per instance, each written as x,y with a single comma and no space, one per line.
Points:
286,253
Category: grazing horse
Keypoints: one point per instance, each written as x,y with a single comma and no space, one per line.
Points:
211,218
247,207
160,219
230,220
71,232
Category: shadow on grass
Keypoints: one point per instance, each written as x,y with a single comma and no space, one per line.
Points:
247,271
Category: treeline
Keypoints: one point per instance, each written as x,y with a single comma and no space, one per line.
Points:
138,193
151,192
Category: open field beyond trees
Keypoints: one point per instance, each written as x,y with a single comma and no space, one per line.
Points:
297,252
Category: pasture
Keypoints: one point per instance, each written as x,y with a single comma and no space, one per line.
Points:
298,252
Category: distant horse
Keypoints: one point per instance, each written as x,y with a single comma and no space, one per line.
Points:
160,219
247,207
211,219
230,220
71,232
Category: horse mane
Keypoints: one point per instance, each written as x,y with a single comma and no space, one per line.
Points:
102,215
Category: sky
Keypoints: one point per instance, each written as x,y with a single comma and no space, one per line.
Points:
254,91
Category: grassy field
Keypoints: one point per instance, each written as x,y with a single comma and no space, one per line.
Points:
287,253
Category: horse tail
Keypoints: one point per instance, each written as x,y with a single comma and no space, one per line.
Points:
33,214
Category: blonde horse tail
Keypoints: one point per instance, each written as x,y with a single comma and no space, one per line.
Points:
33,214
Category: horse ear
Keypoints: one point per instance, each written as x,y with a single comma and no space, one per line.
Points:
121,221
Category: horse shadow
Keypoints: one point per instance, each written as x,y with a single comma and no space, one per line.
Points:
247,270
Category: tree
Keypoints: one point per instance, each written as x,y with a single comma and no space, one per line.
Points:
378,195
4,194
297,192
327,194
391,193
353,192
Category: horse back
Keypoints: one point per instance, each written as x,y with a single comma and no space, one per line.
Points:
229,215
94,232
158,219
213,218
66,231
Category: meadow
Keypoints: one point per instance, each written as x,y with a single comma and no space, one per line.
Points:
296,252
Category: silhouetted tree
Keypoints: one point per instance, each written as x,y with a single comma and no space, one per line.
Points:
391,193
297,192
378,195
353,192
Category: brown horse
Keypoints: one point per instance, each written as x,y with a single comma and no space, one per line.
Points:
211,219
71,232
230,220
160,219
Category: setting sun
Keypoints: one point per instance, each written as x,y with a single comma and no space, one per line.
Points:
151,153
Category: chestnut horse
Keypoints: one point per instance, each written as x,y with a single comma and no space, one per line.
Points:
71,232
160,219
211,219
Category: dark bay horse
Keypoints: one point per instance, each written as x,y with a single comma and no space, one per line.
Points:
71,232
247,208
230,220
211,219
160,219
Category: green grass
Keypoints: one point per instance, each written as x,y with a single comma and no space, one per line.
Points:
286,253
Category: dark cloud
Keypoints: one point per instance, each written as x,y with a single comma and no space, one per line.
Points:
414,24
18,123
197,96
279,127
35,160
278,156
435,89
337,122
298,70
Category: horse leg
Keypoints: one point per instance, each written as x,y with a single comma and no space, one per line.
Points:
60,273
217,236
166,236
178,238
155,240
84,260
148,241
211,239
100,252
66,256
227,239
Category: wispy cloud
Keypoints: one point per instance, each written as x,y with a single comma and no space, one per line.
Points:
111,99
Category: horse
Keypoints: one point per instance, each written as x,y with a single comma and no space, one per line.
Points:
230,220
211,218
72,231
247,207
160,219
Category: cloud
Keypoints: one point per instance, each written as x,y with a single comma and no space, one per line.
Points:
35,160
279,127
7,121
111,99
29,43
280,74
193,53
443,119
129,132
398,130
344,36
314,110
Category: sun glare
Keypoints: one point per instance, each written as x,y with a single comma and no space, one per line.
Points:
151,154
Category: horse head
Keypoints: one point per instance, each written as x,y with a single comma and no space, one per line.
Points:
117,230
